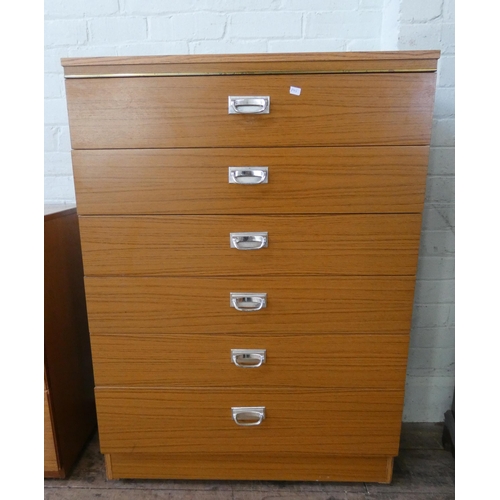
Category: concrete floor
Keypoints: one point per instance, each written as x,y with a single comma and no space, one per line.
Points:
422,471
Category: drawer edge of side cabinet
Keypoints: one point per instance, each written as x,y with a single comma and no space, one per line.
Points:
300,180
289,360
275,467
296,421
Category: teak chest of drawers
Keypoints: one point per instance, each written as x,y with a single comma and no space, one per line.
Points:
250,229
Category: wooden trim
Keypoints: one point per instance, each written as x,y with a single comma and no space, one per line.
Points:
109,468
276,467
390,467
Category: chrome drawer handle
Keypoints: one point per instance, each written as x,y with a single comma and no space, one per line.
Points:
248,358
248,241
248,104
248,175
247,302
247,416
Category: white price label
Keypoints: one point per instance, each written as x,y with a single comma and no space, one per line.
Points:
295,90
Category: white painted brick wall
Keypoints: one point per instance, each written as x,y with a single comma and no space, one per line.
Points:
87,28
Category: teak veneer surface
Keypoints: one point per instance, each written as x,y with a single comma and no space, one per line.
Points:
160,112
297,245
316,421
274,467
202,305
301,180
340,361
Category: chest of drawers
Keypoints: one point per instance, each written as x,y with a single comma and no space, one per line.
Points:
250,229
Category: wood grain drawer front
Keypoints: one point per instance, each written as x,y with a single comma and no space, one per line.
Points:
202,305
322,421
340,361
332,109
295,245
300,180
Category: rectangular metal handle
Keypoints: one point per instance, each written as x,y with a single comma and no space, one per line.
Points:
248,241
248,104
248,175
247,416
248,302
248,358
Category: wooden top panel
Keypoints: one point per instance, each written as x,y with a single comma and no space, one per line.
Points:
425,60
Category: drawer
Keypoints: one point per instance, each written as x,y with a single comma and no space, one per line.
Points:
338,361
230,245
321,421
202,305
300,180
192,111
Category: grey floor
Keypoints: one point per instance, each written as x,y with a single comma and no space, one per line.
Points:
422,471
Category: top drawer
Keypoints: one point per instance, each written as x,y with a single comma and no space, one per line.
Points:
192,111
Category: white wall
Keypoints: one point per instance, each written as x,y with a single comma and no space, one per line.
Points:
80,28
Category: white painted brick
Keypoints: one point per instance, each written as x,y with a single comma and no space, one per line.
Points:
427,398
117,29
65,32
437,244
198,26
444,105
51,135
228,47
443,132
304,45
58,163
419,37
95,8
265,25
344,24
56,112
435,291
367,44
58,9
390,25
160,28
153,48
59,188
442,337
52,59
433,315
417,11
436,268
227,6
64,139
449,11
442,161
153,7
448,38
440,189
371,4
438,217
431,362
92,51
316,5
53,85
446,71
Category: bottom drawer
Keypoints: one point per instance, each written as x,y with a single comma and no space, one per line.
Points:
317,421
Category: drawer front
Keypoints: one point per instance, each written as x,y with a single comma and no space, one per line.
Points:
322,421
332,109
202,305
251,245
338,361
300,180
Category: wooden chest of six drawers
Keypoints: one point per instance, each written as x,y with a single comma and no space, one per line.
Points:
250,229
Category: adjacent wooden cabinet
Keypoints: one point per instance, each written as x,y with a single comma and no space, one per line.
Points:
69,403
250,227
